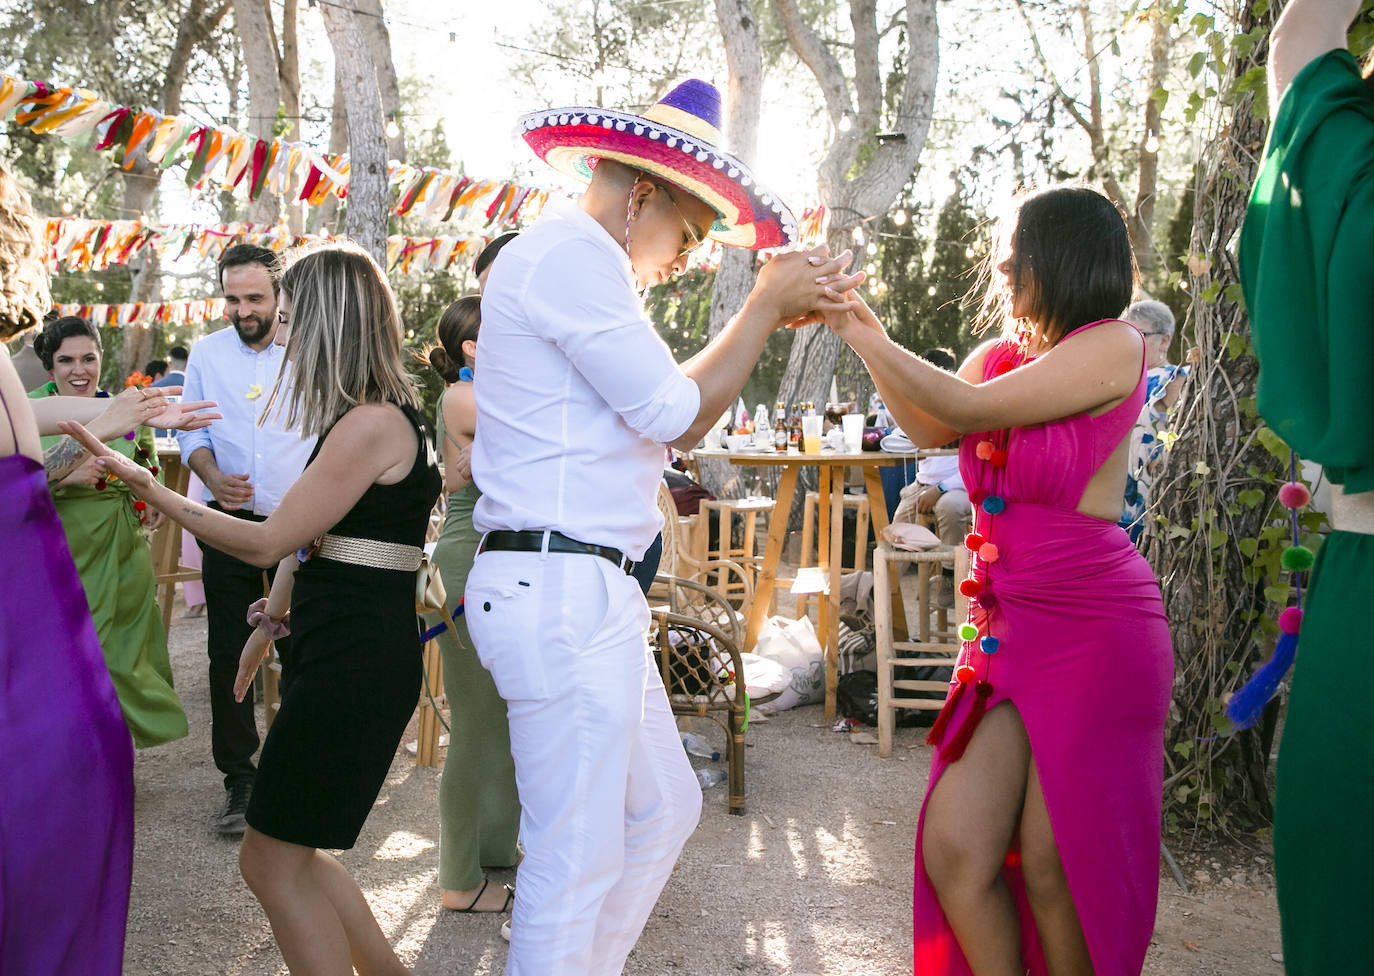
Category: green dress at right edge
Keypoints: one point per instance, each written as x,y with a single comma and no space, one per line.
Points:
479,809
1307,267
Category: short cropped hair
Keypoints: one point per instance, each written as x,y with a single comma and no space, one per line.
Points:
1151,316
242,254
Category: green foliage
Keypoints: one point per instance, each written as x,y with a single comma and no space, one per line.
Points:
928,271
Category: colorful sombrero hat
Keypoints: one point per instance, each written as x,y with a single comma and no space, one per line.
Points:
677,139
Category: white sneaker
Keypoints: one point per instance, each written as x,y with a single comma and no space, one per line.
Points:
505,930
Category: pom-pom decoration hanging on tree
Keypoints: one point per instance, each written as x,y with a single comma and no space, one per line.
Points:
1247,704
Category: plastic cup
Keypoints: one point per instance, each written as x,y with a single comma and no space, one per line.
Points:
853,426
811,434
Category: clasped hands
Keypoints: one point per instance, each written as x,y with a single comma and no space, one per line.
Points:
815,288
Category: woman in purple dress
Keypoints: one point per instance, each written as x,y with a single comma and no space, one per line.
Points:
66,777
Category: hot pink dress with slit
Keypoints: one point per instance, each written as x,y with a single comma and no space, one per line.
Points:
1084,656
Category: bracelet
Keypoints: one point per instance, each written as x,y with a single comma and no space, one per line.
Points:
273,628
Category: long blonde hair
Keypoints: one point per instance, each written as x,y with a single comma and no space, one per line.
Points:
344,340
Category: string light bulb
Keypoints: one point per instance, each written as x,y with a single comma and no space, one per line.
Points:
899,218
66,206
1152,144
425,289
845,123
872,247
859,236
931,291
392,129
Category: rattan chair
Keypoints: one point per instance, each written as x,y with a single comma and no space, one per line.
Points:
701,670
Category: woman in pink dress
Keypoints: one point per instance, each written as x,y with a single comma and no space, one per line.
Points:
1038,846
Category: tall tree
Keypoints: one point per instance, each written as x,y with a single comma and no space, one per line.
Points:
369,199
878,136
1092,117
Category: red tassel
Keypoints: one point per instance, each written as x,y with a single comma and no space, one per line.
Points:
937,731
955,750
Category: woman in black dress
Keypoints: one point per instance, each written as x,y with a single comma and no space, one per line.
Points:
358,513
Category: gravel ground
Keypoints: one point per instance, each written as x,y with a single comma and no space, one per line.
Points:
815,878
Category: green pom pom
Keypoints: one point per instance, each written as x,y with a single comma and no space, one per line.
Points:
968,632
1297,559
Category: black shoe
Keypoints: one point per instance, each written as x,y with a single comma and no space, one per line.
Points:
232,821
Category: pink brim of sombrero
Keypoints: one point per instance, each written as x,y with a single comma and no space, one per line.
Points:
674,142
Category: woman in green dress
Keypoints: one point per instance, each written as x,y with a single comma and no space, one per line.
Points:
479,810
112,557
1307,267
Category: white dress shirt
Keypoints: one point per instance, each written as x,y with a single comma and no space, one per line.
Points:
223,369
575,391
942,470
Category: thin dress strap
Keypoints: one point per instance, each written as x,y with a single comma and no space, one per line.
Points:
14,434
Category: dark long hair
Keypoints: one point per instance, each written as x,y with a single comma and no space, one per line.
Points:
47,342
1068,245
457,325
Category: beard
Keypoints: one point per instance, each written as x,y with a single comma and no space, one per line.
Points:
250,328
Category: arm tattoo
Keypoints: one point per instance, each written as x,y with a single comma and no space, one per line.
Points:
189,512
62,458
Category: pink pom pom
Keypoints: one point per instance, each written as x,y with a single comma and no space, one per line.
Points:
987,552
1290,621
1294,495
983,449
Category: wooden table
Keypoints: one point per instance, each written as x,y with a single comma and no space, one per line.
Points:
832,466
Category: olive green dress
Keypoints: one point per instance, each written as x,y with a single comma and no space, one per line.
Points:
116,570
479,809
1307,267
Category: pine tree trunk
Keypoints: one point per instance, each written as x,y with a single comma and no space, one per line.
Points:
369,199
253,22
1216,490
734,277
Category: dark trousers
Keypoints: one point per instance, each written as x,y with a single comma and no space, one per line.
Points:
231,586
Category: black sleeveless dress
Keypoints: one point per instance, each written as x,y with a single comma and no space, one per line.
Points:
353,677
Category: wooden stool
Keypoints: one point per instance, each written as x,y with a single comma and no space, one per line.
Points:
744,554
932,648
860,505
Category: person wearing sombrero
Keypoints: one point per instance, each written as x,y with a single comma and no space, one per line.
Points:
577,397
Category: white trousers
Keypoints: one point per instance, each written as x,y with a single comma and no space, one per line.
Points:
607,795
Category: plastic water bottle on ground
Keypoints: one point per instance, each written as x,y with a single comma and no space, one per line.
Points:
697,746
710,777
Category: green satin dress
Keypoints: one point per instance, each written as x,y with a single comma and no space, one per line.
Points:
116,569
1307,267
479,809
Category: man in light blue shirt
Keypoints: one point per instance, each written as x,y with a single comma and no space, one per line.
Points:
246,467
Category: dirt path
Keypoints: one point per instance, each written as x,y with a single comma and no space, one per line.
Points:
814,879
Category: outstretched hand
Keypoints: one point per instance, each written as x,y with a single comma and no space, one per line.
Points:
857,318
139,406
136,476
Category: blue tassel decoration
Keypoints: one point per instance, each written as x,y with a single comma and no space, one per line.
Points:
1248,703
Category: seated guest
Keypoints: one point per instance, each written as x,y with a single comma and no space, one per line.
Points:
1163,381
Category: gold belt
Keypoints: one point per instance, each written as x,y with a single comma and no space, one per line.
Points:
370,552
1352,513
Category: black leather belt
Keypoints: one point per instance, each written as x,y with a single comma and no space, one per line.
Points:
532,540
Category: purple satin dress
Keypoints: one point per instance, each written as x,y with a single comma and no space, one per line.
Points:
66,776
1084,656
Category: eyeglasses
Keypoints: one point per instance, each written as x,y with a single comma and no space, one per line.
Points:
697,240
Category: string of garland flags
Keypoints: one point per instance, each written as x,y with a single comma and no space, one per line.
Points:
79,244
240,161
147,314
